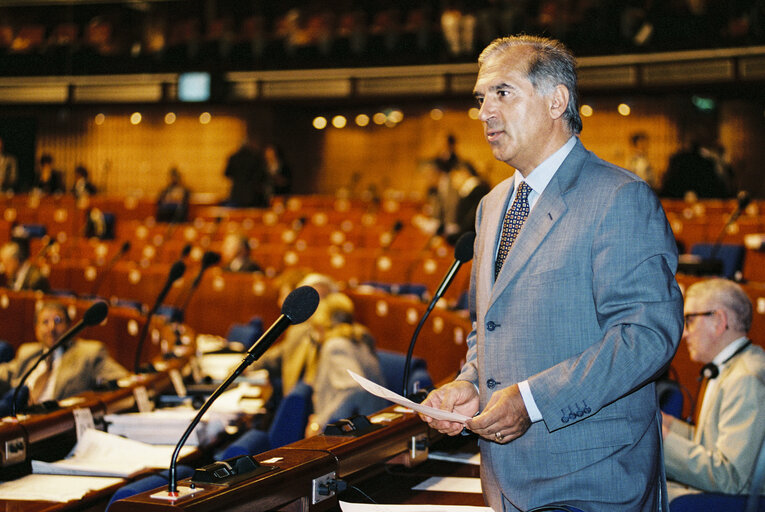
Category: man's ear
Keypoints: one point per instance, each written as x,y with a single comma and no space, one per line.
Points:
559,101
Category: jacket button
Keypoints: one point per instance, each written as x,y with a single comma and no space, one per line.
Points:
491,325
564,419
491,383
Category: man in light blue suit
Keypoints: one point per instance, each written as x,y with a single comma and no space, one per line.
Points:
581,312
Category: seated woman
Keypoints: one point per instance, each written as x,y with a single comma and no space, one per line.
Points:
73,368
341,345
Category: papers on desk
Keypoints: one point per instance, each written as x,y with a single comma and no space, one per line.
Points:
450,484
387,394
165,426
57,488
366,507
473,459
100,454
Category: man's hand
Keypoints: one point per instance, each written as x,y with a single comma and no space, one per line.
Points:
459,396
505,417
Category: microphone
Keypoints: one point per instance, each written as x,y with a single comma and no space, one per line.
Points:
463,252
44,249
97,284
94,315
743,200
299,305
209,258
387,239
185,252
176,271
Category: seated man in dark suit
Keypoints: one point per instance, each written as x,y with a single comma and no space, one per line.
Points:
235,254
20,272
73,368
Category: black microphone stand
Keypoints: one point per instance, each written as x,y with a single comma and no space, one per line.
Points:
463,251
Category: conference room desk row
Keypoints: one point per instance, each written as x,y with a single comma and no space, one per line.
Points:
294,476
49,436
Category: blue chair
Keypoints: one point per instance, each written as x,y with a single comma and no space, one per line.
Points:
246,334
731,256
147,483
6,401
34,230
754,501
288,426
6,351
392,365
670,396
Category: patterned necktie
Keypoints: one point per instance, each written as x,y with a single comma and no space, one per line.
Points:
511,226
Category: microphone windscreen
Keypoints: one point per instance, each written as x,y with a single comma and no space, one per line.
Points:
398,226
210,258
186,250
125,247
177,270
300,304
463,251
95,314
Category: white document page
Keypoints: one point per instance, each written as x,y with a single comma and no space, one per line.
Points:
100,454
58,488
387,394
450,484
473,459
366,507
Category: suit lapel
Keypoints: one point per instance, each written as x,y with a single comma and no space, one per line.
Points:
547,211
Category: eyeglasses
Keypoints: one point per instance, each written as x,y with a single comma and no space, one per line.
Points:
689,316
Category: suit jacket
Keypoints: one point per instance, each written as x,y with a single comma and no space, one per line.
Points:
586,308
83,366
719,455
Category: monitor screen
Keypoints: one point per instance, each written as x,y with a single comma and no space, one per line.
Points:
194,86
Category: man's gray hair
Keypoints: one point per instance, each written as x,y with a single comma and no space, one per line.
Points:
726,294
551,64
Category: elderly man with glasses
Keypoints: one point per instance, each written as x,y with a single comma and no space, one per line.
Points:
718,453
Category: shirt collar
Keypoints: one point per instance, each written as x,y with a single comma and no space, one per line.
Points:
540,177
720,359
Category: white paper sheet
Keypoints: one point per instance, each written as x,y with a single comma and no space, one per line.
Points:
100,454
366,507
465,458
450,484
59,488
387,394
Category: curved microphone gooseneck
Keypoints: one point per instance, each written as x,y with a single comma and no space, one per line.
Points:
299,305
463,252
97,285
176,271
94,315
209,258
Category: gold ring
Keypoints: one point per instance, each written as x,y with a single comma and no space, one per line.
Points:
498,436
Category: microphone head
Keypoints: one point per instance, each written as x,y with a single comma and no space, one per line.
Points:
398,226
185,252
177,270
125,247
463,251
300,304
210,258
95,314
743,199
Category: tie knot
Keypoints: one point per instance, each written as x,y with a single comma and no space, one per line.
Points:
523,190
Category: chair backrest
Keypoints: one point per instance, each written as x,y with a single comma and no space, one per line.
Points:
731,256
670,396
246,334
392,365
291,416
